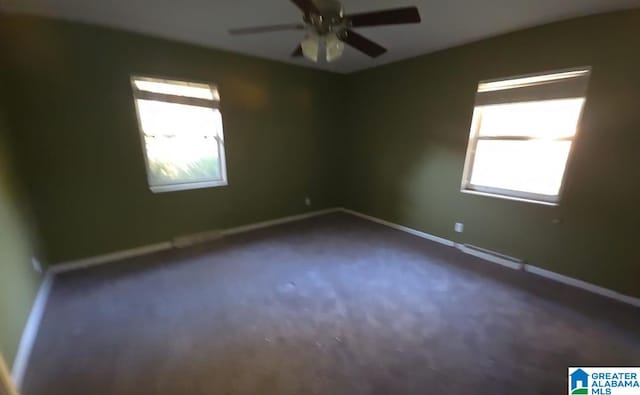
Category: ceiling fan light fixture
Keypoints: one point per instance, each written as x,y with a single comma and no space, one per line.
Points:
329,29
311,47
334,47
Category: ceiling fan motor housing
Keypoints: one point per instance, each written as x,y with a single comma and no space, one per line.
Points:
326,23
330,19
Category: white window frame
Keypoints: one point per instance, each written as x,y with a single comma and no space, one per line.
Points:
474,138
192,101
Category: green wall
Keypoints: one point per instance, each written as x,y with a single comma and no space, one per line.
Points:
77,136
389,142
18,281
409,124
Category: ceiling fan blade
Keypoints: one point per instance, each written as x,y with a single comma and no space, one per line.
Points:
307,6
385,17
267,29
297,52
363,44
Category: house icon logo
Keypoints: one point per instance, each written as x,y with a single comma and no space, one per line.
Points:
579,382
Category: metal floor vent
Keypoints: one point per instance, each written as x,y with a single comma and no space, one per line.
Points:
492,256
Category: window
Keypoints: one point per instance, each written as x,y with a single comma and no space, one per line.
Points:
181,128
522,133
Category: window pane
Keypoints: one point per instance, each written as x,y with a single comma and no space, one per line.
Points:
549,119
200,91
181,142
535,166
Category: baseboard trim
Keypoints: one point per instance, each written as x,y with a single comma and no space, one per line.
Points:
596,289
204,237
187,240
111,257
278,221
405,229
30,332
574,282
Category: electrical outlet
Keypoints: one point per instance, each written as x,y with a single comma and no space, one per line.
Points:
307,201
459,227
37,266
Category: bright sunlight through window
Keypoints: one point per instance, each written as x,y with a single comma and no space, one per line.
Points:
181,128
521,135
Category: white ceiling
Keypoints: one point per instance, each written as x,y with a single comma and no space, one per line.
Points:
445,23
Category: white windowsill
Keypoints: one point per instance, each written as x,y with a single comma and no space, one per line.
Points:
506,197
188,186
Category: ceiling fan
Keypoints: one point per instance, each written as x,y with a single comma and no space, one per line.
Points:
326,24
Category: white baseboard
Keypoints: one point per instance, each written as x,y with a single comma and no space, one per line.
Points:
583,285
111,257
178,242
196,238
203,237
278,221
611,294
402,228
30,331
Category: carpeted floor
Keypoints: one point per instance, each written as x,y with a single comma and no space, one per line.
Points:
331,305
